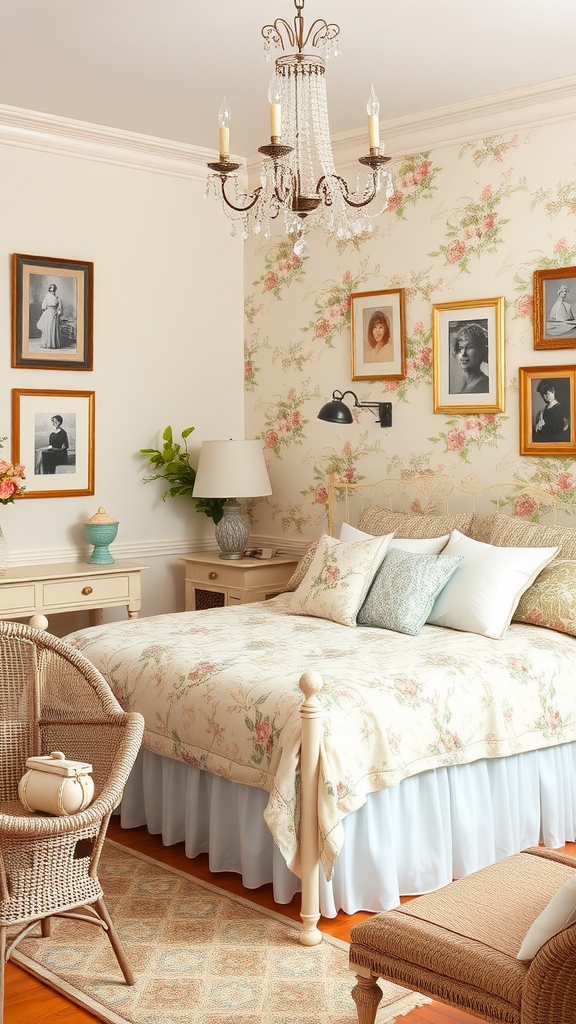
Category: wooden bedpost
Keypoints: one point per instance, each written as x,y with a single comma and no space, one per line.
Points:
311,714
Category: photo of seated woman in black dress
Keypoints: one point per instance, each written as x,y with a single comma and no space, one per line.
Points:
56,452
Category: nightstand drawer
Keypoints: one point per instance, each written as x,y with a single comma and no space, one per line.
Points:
214,575
89,590
17,598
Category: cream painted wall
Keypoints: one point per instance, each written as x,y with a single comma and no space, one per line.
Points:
168,304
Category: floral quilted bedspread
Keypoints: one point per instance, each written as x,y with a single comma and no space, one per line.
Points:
219,690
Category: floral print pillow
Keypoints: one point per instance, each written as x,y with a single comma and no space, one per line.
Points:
551,600
339,578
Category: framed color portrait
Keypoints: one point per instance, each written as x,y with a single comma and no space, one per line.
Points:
468,356
547,407
377,335
555,308
52,306
53,437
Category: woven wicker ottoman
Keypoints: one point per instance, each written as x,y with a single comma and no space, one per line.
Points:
459,945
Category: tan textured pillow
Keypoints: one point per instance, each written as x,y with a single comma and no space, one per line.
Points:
379,521
513,532
551,600
302,567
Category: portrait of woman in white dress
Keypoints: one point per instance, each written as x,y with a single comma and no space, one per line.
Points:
561,319
49,322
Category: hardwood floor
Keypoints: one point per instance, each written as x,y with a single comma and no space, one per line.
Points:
29,1000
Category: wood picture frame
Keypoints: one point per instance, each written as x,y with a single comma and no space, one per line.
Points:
468,356
378,335
547,425
53,437
52,313
555,308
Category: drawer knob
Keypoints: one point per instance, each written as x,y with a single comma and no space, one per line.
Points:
212,575
86,590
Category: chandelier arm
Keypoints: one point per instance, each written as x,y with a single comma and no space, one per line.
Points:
321,187
323,32
273,33
253,199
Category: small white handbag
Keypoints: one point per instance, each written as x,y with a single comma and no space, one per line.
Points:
56,785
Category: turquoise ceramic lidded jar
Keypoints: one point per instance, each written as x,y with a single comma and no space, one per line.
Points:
100,531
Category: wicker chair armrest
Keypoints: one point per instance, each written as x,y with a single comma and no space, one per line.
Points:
550,988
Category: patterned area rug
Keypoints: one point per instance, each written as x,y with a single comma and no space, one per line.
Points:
200,956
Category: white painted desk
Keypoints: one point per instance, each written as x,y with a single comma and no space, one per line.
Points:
38,590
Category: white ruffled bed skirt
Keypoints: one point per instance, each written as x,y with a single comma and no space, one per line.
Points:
412,838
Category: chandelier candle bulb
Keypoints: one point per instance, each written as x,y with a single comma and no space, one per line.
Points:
275,112
373,111
224,133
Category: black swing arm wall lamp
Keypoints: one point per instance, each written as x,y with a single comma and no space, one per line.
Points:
337,411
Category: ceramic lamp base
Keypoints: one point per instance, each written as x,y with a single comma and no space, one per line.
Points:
232,531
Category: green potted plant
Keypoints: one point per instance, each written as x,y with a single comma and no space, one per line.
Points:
172,464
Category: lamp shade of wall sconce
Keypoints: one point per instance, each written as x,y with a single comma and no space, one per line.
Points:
337,411
231,470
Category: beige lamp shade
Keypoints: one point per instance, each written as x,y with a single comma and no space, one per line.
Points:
231,469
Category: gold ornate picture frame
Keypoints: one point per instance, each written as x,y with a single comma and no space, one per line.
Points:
53,438
547,410
555,308
468,356
378,335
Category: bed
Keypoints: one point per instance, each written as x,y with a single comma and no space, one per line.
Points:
413,758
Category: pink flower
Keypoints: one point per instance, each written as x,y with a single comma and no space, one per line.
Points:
296,419
393,385
489,418
565,482
449,741
345,306
5,467
455,440
419,327
248,366
395,201
347,448
407,686
271,280
322,328
291,394
470,233
489,222
271,439
408,181
264,735
425,357
340,790
416,505
320,495
455,251
525,306
554,718
8,488
330,574
486,192
423,170
349,475
347,276
525,505
561,244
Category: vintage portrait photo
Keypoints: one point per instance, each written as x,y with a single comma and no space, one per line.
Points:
555,308
468,356
52,313
377,335
547,410
53,434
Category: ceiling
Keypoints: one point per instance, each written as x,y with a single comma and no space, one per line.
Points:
162,67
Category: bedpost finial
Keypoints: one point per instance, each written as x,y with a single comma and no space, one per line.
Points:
311,683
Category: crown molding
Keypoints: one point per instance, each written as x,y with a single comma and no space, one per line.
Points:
529,107
63,136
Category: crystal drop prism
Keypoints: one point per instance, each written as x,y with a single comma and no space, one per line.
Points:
301,248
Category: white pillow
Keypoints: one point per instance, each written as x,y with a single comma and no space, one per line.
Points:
482,595
338,579
429,546
560,912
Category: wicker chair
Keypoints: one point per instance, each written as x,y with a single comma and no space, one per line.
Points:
52,698
459,945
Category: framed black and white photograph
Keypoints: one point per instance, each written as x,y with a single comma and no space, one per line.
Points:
52,309
53,437
547,406
468,356
377,335
555,308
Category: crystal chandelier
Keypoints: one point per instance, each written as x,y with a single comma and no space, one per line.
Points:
298,177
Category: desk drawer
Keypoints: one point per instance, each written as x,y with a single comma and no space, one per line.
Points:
92,590
219,576
16,598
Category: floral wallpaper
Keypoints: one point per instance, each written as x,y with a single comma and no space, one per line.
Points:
464,222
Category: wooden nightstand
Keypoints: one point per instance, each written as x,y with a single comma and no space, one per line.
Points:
38,590
213,582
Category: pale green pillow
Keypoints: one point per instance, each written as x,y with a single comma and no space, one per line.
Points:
404,590
338,579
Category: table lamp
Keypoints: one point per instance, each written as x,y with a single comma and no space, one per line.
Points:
228,468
